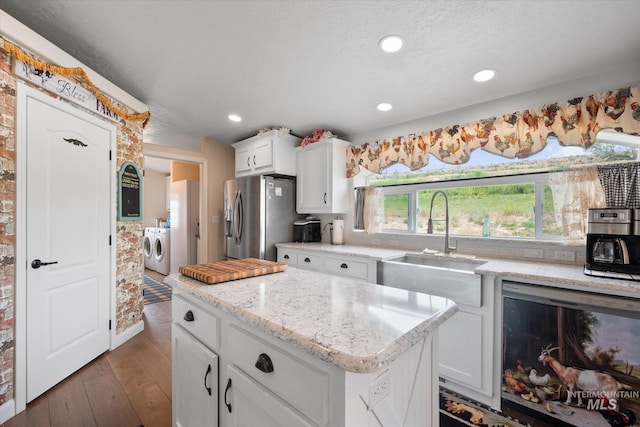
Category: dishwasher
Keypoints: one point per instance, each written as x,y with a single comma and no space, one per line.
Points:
570,357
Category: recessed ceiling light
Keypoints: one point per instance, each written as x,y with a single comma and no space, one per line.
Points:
391,43
235,118
384,106
484,75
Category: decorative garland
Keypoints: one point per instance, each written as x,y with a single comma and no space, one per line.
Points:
76,72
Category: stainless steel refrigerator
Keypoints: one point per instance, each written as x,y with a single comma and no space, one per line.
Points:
259,212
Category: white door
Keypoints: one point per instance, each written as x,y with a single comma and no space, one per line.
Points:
68,221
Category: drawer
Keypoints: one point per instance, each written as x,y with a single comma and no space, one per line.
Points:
347,267
199,322
300,384
310,261
287,257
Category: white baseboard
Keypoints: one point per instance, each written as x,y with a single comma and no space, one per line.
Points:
121,338
7,411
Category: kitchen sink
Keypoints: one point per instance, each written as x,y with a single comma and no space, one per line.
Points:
447,276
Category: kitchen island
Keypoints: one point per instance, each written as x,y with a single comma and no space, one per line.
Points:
306,348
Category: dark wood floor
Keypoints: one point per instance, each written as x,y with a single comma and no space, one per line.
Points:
127,387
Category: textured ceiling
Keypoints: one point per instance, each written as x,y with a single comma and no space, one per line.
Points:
310,64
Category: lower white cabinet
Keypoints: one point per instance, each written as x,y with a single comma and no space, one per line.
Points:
265,381
194,381
250,404
467,347
346,266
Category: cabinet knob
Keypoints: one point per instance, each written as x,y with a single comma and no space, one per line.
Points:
344,265
286,257
188,316
307,260
264,363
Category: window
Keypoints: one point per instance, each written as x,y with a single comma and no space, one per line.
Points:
513,195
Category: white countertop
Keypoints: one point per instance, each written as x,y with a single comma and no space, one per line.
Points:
370,252
543,273
559,275
357,326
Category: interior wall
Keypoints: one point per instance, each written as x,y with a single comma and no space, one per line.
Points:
221,168
184,170
155,197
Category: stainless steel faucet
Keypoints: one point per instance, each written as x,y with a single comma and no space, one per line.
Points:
447,248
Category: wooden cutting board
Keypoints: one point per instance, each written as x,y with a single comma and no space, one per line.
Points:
234,269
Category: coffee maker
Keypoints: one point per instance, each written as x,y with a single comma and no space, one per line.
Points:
613,243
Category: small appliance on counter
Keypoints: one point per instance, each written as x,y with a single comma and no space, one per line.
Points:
307,230
613,243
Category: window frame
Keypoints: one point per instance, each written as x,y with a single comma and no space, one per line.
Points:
539,179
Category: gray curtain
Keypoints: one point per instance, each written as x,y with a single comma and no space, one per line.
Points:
620,183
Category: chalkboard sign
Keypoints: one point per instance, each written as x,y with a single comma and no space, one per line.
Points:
129,192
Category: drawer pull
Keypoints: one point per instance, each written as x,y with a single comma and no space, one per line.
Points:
344,265
307,260
228,405
286,257
206,374
188,316
264,363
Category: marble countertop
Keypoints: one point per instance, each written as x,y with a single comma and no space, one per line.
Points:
358,326
559,275
542,273
370,252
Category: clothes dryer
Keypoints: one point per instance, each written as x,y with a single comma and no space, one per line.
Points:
149,244
162,251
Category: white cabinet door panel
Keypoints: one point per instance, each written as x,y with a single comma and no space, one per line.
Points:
461,348
194,382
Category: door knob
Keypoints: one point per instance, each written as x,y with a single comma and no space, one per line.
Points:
36,263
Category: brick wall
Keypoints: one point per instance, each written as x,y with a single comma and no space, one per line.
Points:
7,225
129,241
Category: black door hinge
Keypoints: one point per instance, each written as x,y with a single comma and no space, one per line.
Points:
109,324
109,154
109,239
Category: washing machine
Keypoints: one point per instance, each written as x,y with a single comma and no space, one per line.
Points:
149,244
162,248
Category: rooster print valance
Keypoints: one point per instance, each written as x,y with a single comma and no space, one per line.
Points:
517,135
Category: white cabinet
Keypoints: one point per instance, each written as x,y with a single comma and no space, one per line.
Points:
194,381
322,185
467,347
270,152
268,381
194,365
250,404
346,266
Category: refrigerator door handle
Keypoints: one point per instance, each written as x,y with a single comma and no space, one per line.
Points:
240,225
234,218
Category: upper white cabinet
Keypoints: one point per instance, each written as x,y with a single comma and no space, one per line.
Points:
270,152
322,185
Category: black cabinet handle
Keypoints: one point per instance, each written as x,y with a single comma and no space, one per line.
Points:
36,263
325,198
206,374
264,363
254,160
228,405
286,257
344,265
307,260
249,161
188,316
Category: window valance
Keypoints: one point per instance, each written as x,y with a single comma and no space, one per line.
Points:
517,135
